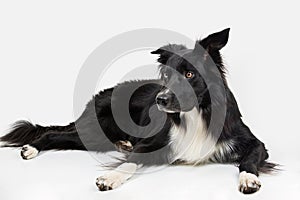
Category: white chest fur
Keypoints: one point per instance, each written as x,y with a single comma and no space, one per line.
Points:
191,142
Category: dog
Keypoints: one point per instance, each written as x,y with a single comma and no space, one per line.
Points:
187,116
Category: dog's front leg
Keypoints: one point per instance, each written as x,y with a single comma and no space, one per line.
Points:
117,177
249,168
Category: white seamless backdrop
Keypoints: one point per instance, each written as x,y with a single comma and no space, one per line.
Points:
44,44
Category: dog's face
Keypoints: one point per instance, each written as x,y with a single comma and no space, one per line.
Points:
183,84
183,72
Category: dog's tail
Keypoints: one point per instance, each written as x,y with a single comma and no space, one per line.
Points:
24,132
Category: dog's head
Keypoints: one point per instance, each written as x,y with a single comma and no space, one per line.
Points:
187,74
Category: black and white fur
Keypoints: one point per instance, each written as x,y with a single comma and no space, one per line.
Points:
184,137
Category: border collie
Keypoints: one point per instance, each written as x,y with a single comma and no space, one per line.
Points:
187,116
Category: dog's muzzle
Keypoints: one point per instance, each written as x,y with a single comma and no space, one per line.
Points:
163,100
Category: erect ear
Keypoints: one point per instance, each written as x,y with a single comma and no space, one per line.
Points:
165,52
215,41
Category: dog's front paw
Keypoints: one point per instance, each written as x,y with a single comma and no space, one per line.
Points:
109,181
116,177
28,152
249,183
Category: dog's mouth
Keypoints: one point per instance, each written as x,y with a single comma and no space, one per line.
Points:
173,107
168,102
167,110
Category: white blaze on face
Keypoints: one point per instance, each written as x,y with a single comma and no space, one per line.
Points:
166,91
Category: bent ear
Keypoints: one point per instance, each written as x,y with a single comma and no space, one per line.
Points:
215,41
165,52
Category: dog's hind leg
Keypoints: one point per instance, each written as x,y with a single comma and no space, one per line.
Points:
24,132
52,140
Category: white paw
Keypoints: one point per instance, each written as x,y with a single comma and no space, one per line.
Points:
116,177
110,181
249,183
29,152
124,146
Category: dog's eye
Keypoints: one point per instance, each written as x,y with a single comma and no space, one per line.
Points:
165,75
189,74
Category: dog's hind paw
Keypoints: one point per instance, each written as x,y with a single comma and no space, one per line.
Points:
249,183
28,152
124,146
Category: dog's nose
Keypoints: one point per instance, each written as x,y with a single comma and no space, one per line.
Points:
163,99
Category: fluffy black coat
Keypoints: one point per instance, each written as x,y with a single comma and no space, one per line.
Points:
84,134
